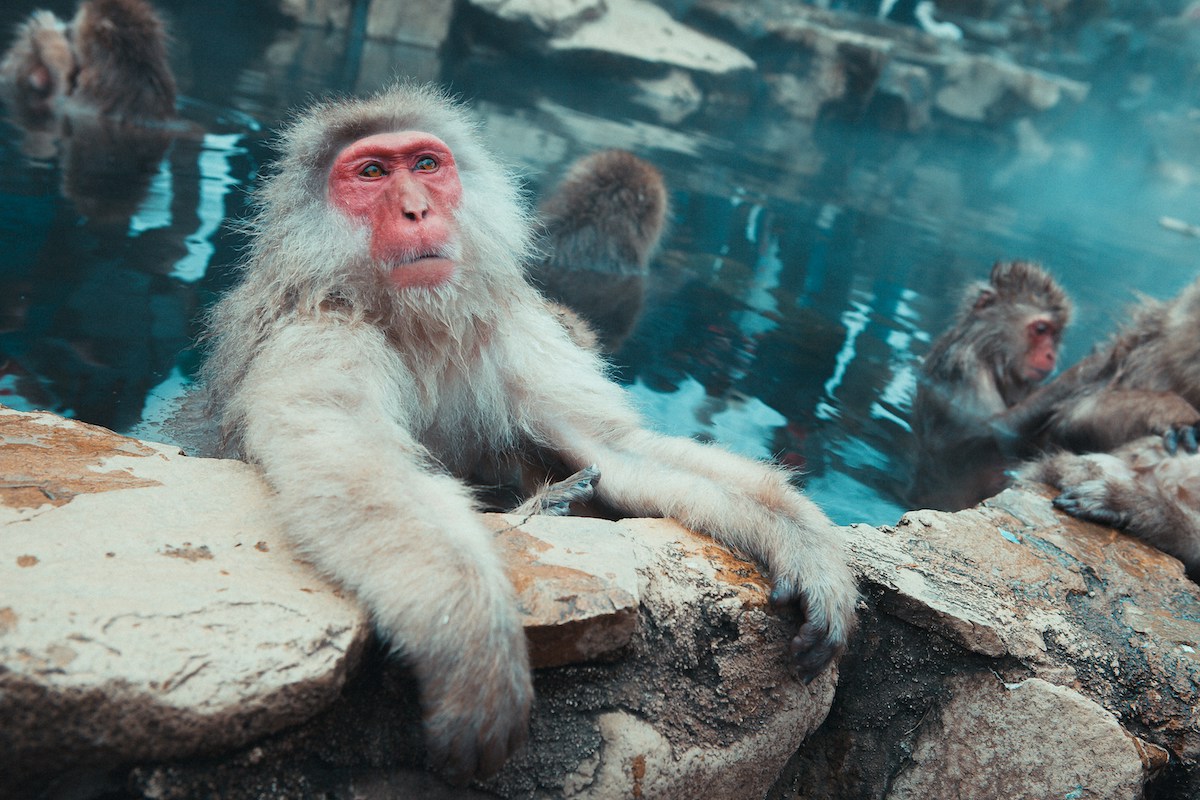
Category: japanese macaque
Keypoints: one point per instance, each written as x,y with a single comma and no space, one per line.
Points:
1145,487
95,92
38,68
111,59
121,52
976,410
384,344
1145,381
602,227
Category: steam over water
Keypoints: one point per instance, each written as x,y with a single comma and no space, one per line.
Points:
805,274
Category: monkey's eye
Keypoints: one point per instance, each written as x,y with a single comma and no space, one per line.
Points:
1041,328
425,164
372,170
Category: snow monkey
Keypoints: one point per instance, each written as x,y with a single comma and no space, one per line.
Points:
384,344
977,409
111,59
1133,406
602,227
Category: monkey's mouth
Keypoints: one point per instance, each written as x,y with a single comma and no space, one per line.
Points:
424,270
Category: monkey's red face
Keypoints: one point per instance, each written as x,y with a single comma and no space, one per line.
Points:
404,186
1040,357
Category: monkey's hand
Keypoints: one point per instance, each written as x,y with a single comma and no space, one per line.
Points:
826,604
1090,501
554,499
475,684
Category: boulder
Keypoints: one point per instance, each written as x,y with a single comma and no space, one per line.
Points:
158,634
423,23
629,31
150,608
818,61
1011,651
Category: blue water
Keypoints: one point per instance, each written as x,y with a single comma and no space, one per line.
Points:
806,272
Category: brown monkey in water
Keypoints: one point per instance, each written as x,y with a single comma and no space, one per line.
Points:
384,343
38,69
111,59
602,227
107,95
121,51
976,408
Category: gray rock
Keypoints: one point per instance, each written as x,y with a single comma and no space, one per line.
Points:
632,30
1029,739
1002,638
417,22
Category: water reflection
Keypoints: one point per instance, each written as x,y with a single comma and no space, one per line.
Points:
806,271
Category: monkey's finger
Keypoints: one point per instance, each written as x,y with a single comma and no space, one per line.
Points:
814,646
1085,507
812,650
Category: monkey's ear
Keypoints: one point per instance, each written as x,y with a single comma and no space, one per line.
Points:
986,297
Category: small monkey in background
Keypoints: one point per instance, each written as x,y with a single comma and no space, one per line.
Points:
977,409
602,227
38,69
99,93
111,60
121,51
384,344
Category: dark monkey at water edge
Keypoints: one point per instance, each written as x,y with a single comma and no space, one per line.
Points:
384,345
978,409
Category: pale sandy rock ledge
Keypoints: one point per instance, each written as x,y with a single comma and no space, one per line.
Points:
158,638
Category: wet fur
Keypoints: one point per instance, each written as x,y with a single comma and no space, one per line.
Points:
601,228
975,413
1145,380
365,408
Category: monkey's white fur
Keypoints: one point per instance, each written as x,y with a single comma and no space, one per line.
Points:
361,402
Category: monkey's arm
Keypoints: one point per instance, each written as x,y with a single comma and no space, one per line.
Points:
357,494
747,505
1105,419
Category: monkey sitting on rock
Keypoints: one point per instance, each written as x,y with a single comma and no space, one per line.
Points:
384,345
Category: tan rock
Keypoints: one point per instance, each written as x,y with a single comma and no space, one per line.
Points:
1027,740
149,606
151,611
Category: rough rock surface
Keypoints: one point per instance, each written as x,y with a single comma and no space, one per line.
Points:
418,22
149,608
819,61
632,30
151,612
1037,634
